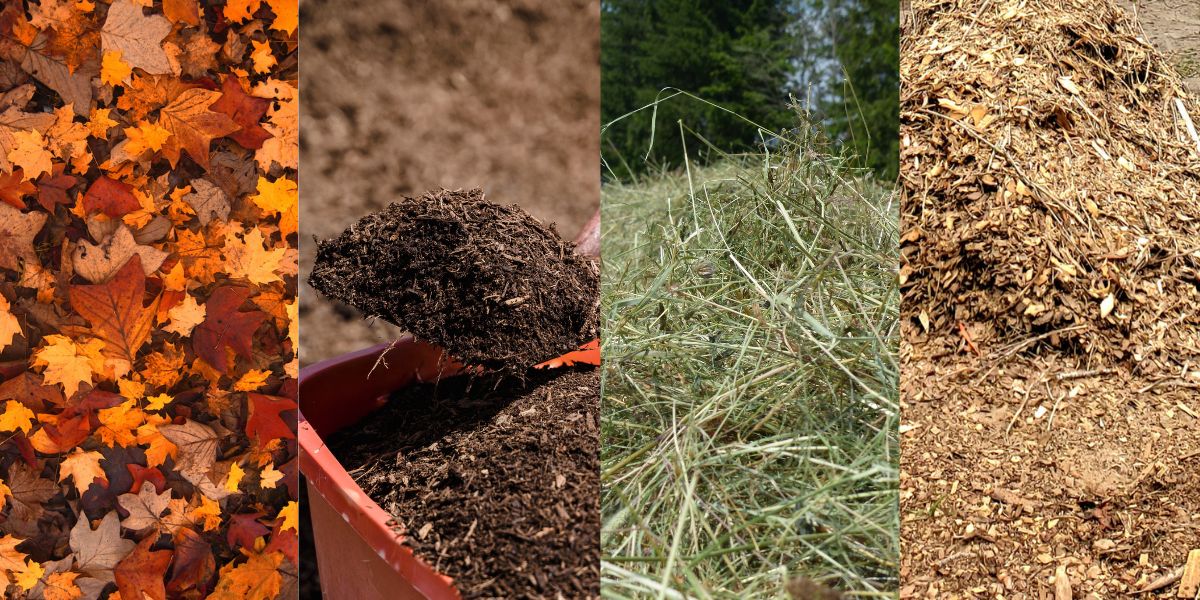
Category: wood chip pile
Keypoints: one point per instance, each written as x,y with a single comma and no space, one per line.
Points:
1052,176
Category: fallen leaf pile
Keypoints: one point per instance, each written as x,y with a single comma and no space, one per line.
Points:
148,208
1052,172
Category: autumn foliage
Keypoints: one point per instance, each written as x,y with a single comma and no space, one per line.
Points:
148,215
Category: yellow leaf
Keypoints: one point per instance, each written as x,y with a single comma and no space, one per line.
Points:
66,363
290,515
61,586
158,402
158,447
10,327
30,575
132,390
279,197
250,259
98,123
146,136
269,477
235,478
185,316
210,511
240,10
119,423
11,559
5,494
256,579
113,70
287,15
175,280
16,416
29,152
251,381
262,57
83,468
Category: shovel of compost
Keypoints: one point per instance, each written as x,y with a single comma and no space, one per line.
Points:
490,284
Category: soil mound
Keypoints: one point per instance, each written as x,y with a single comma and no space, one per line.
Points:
1052,183
496,485
489,283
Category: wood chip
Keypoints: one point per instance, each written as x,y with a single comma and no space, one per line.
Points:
1189,583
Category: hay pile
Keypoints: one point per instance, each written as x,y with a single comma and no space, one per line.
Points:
1052,185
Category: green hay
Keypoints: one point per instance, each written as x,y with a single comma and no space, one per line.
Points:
749,421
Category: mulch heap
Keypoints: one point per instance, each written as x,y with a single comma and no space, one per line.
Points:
491,284
1051,276
1053,186
496,484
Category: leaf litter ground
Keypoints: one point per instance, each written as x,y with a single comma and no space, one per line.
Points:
493,477
1049,269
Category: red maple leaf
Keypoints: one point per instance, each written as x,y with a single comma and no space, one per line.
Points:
52,187
140,575
14,188
226,327
245,528
111,197
194,562
264,422
245,110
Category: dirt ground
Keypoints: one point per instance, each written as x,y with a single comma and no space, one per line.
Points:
1174,27
1029,474
404,97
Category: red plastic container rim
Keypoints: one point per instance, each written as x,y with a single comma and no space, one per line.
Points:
327,475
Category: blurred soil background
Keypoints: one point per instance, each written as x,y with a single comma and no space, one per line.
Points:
404,97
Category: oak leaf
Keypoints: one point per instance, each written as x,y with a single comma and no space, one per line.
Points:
140,575
225,326
116,313
17,230
98,551
137,36
193,125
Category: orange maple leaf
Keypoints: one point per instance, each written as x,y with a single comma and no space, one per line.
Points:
116,313
587,354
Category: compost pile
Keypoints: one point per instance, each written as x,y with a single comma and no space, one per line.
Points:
496,484
489,283
1053,187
